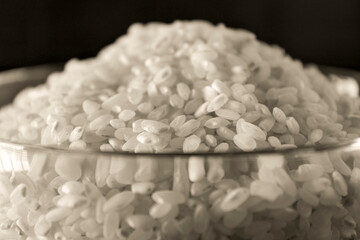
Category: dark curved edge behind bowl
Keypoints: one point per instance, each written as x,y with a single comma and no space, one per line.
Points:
14,80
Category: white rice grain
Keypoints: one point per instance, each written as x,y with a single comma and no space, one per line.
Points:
252,130
339,184
73,187
315,135
227,114
279,115
216,103
57,214
196,168
90,106
118,201
176,101
188,128
145,107
216,122
158,211
235,106
211,140
221,87
222,148
265,190
138,221
170,197
126,115
234,199
191,144
111,224
245,142
293,125
154,126
143,188
183,90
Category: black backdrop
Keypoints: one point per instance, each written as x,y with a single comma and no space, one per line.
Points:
34,32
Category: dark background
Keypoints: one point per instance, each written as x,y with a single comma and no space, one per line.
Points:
35,32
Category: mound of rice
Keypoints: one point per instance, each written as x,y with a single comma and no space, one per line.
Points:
185,87
200,88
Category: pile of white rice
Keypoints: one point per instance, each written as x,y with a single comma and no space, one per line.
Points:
184,87
200,88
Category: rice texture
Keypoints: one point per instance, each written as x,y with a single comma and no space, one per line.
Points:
184,88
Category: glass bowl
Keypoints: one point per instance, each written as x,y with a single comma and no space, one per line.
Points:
46,193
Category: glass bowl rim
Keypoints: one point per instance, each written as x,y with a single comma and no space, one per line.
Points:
303,149
36,72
